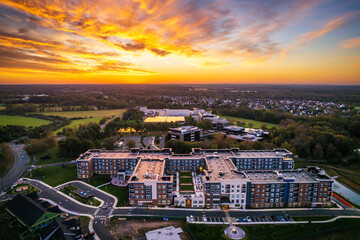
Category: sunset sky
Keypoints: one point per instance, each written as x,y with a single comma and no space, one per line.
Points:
180,41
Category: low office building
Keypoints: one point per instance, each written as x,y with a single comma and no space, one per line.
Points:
186,133
217,122
166,233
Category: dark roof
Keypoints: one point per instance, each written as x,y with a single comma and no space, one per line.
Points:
26,209
52,231
33,195
54,209
62,230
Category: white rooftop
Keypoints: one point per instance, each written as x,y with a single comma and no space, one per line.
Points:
166,233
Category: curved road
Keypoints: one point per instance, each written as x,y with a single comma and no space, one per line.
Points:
21,163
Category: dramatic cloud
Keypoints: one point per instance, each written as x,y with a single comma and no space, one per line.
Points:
139,36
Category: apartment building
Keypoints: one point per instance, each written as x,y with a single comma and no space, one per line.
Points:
148,185
232,177
294,188
110,162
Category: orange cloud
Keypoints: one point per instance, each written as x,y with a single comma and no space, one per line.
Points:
351,43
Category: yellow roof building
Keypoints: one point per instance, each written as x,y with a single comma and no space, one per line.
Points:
158,119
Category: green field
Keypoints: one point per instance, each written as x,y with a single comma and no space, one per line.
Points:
339,230
256,124
22,121
122,194
77,122
55,175
87,114
98,180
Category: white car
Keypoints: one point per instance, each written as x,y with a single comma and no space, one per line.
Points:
191,218
204,219
248,219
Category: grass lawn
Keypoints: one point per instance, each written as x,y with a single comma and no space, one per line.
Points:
50,155
256,124
22,121
122,194
188,174
77,122
84,114
98,180
185,180
186,187
312,218
55,175
340,229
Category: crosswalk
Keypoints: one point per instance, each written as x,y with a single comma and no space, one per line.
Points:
100,216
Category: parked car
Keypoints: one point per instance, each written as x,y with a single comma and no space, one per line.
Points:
191,218
248,219
204,219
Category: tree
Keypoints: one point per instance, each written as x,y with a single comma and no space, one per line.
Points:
205,124
190,121
133,114
250,124
130,143
318,152
109,143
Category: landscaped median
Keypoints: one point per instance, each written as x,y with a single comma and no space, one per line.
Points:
75,193
23,188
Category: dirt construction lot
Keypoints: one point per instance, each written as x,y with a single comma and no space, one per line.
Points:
136,228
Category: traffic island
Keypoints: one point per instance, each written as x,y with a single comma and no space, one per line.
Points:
234,232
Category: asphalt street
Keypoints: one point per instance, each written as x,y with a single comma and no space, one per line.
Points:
102,213
21,163
218,213
55,196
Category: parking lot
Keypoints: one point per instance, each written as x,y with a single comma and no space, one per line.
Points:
237,221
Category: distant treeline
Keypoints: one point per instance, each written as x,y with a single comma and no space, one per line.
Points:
258,115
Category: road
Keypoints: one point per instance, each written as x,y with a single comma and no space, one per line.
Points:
21,163
163,212
101,213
